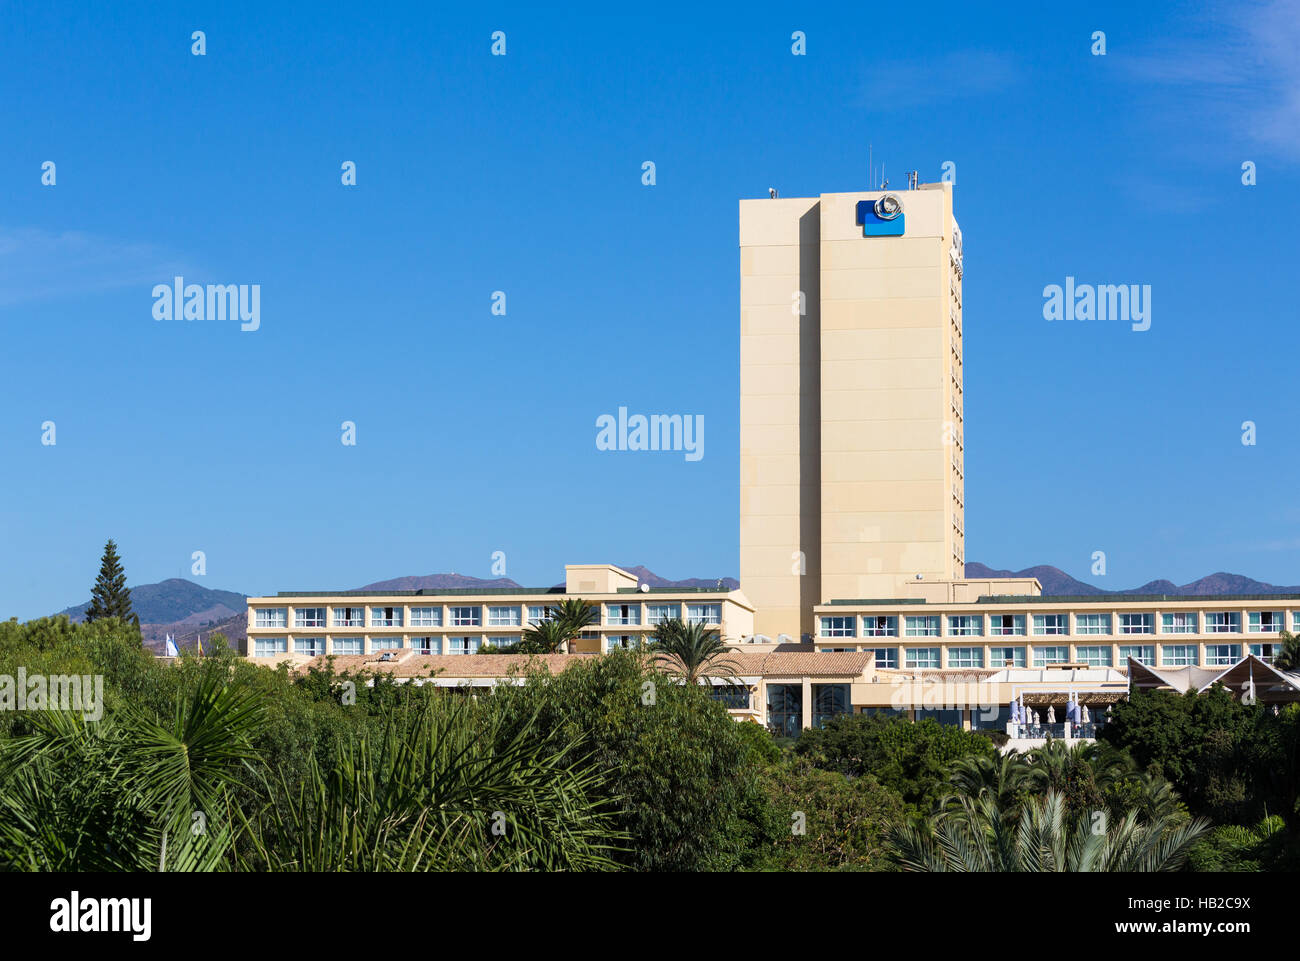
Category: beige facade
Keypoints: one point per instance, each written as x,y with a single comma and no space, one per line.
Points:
296,626
851,402
1036,631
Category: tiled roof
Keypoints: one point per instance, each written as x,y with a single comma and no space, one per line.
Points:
408,663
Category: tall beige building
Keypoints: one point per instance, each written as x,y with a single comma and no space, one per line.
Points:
851,399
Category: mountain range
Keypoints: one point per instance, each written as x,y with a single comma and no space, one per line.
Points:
1056,582
187,611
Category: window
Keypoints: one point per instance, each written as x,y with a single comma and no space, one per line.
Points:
886,657
1178,655
347,646
464,645
1092,623
1094,655
1222,655
839,627
500,641
537,613
965,625
270,617
623,614
704,613
1003,625
385,617
1142,653
503,616
734,697
1043,656
426,617
623,642
309,617
311,646
1266,652
1051,624
1137,624
994,717
921,625
1180,622
1223,622
1265,622
785,709
880,626
466,616
1007,657
1295,622
921,657
426,645
349,617
947,716
965,657
662,613
385,643
270,646
829,700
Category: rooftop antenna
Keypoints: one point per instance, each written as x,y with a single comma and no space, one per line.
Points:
884,184
911,179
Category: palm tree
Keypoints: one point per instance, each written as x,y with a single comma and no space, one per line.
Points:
562,625
976,835
1288,659
132,792
452,784
1005,778
692,650
547,637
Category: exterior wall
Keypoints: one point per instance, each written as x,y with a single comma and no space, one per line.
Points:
596,579
736,618
851,411
780,551
890,401
1116,638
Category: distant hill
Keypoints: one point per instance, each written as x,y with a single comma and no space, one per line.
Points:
185,610
1056,582
175,600
647,576
431,582
447,581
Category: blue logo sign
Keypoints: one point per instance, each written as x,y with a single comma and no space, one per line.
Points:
882,217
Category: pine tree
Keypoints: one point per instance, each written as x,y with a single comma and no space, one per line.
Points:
110,597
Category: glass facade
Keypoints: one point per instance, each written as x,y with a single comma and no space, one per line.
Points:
785,709
828,701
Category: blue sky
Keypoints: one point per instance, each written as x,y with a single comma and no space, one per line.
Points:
522,173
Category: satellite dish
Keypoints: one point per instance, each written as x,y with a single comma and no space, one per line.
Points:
645,588
888,207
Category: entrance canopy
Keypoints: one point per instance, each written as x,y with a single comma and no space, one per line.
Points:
1270,685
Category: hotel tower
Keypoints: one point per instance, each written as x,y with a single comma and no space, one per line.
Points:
850,399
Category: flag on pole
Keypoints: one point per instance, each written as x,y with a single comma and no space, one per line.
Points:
171,647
